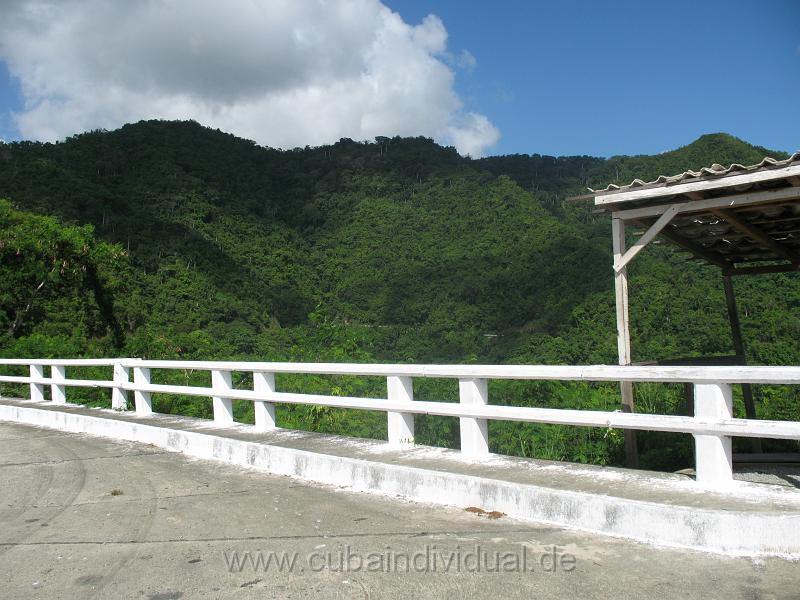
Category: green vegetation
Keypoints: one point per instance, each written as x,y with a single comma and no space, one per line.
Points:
170,240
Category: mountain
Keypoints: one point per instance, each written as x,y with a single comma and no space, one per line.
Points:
199,244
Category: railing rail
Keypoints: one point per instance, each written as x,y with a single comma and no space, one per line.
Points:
712,425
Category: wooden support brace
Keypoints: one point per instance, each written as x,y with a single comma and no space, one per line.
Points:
648,236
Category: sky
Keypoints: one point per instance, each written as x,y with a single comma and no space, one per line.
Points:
504,77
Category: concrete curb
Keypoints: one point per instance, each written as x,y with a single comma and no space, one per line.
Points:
733,533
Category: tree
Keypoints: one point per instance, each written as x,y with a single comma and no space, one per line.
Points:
47,268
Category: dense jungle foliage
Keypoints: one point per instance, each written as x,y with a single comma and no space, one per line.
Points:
171,240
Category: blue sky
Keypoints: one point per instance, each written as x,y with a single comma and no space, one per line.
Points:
623,77
567,77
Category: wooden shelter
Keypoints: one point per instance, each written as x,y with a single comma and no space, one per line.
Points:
743,219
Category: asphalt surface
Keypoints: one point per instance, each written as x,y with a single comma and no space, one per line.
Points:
84,517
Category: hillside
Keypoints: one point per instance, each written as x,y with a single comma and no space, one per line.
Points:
396,250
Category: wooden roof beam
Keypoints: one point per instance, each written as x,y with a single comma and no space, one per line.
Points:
761,270
709,184
737,235
776,220
732,201
693,248
756,234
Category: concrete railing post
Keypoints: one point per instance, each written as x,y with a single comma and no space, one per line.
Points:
142,400
37,389
265,411
474,432
223,407
119,397
713,453
401,424
58,393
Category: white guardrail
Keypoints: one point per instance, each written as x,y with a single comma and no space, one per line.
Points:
712,425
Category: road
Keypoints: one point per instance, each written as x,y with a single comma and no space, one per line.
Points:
84,517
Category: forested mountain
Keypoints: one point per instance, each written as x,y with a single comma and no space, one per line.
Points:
168,239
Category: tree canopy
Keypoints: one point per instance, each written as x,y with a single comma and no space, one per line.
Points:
171,240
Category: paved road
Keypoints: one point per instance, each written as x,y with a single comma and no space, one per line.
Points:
84,517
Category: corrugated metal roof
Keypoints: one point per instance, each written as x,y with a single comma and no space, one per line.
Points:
713,171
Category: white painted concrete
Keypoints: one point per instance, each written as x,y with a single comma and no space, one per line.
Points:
142,399
674,374
223,405
58,392
37,389
264,383
712,425
474,432
714,453
720,531
119,396
400,424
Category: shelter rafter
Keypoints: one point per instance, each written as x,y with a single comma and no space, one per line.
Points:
743,219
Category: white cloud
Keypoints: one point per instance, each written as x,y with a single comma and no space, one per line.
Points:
472,132
285,73
466,60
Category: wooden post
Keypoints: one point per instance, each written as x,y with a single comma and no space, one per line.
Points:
738,341
623,334
738,347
